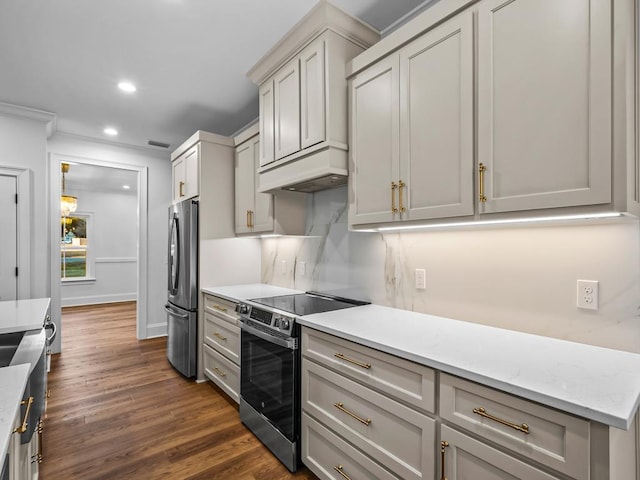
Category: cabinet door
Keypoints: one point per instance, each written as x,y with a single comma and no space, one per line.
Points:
374,143
436,122
178,176
245,189
267,129
192,170
262,216
312,94
544,103
469,459
286,85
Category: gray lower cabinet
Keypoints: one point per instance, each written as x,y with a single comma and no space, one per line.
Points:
221,345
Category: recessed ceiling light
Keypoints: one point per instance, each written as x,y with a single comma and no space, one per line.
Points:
126,187
111,131
127,87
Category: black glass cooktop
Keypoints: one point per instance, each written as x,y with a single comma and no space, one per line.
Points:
308,303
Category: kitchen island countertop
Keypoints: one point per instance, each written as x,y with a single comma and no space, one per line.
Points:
13,380
597,383
23,315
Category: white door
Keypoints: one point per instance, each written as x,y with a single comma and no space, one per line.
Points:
8,235
544,103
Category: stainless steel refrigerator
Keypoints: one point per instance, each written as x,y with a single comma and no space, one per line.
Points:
182,306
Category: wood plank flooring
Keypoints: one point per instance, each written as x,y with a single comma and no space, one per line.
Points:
118,410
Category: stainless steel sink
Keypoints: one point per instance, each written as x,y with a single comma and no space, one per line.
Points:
9,343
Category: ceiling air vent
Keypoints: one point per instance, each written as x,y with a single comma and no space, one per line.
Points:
153,143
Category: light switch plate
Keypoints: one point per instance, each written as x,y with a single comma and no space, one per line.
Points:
421,279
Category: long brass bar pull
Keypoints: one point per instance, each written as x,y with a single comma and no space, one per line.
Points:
251,219
181,186
25,421
338,468
401,186
443,447
221,337
248,221
524,428
350,360
394,187
39,456
219,372
340,407
481,169
218,307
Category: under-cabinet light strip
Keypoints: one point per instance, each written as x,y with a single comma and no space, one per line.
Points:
504,221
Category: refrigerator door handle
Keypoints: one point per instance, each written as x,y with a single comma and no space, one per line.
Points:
174,313
174,255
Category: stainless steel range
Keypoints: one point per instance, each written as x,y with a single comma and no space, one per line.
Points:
270,367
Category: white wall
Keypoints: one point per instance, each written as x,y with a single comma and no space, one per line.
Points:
23,144
159,198
517,278
113,246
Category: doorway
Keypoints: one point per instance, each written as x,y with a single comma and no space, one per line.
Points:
83,261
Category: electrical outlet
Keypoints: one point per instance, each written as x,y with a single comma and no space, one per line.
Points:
587,294
421,279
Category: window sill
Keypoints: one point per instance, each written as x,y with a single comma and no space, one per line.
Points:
78,281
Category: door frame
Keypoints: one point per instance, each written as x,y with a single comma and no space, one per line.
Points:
23,227
55,182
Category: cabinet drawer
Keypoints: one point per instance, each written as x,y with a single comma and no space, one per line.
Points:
397,436
222,336
468,458
555,439
222,372
406,381
326,455
221,308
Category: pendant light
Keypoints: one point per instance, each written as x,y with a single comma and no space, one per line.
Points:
68,203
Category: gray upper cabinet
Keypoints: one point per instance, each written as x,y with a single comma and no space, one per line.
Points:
544,103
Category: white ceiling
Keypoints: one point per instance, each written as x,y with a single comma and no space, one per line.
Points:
188,58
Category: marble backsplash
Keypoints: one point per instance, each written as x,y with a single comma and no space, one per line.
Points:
517,278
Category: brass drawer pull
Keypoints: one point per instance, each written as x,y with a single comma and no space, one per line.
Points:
481,169
219,308
251,225
401,186
394,186
219,372
355,362
483,413
181,187
39,456
25,421
221,337
340,407
338,468
443,447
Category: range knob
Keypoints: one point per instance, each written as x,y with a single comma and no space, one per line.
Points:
284,324
242,309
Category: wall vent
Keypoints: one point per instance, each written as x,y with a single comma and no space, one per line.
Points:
154,143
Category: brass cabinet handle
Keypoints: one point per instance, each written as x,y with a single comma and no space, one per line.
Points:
39,456
481,169
251,219
216,334
394,186
338,468
443,446
25,421
340,407
401,186
248,223
219,308
483,413
49,393
350,360
181,184
219,372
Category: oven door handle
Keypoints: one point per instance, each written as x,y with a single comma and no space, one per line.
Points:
291,344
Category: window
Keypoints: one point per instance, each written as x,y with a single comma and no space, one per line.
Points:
75,248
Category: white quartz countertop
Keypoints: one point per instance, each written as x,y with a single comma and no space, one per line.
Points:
241,293
13,380
21,315
596,383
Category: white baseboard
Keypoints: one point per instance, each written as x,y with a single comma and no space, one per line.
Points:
156,330
96,299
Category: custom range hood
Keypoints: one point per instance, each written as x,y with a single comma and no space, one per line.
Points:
303,101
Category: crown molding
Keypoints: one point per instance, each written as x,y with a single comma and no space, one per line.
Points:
17,111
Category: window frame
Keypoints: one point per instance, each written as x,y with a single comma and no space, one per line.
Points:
90,252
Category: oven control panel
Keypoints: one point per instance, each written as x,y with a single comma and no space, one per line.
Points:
274,320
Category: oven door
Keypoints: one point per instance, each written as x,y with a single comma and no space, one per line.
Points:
269,379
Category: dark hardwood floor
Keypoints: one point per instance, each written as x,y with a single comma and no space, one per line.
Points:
118,410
